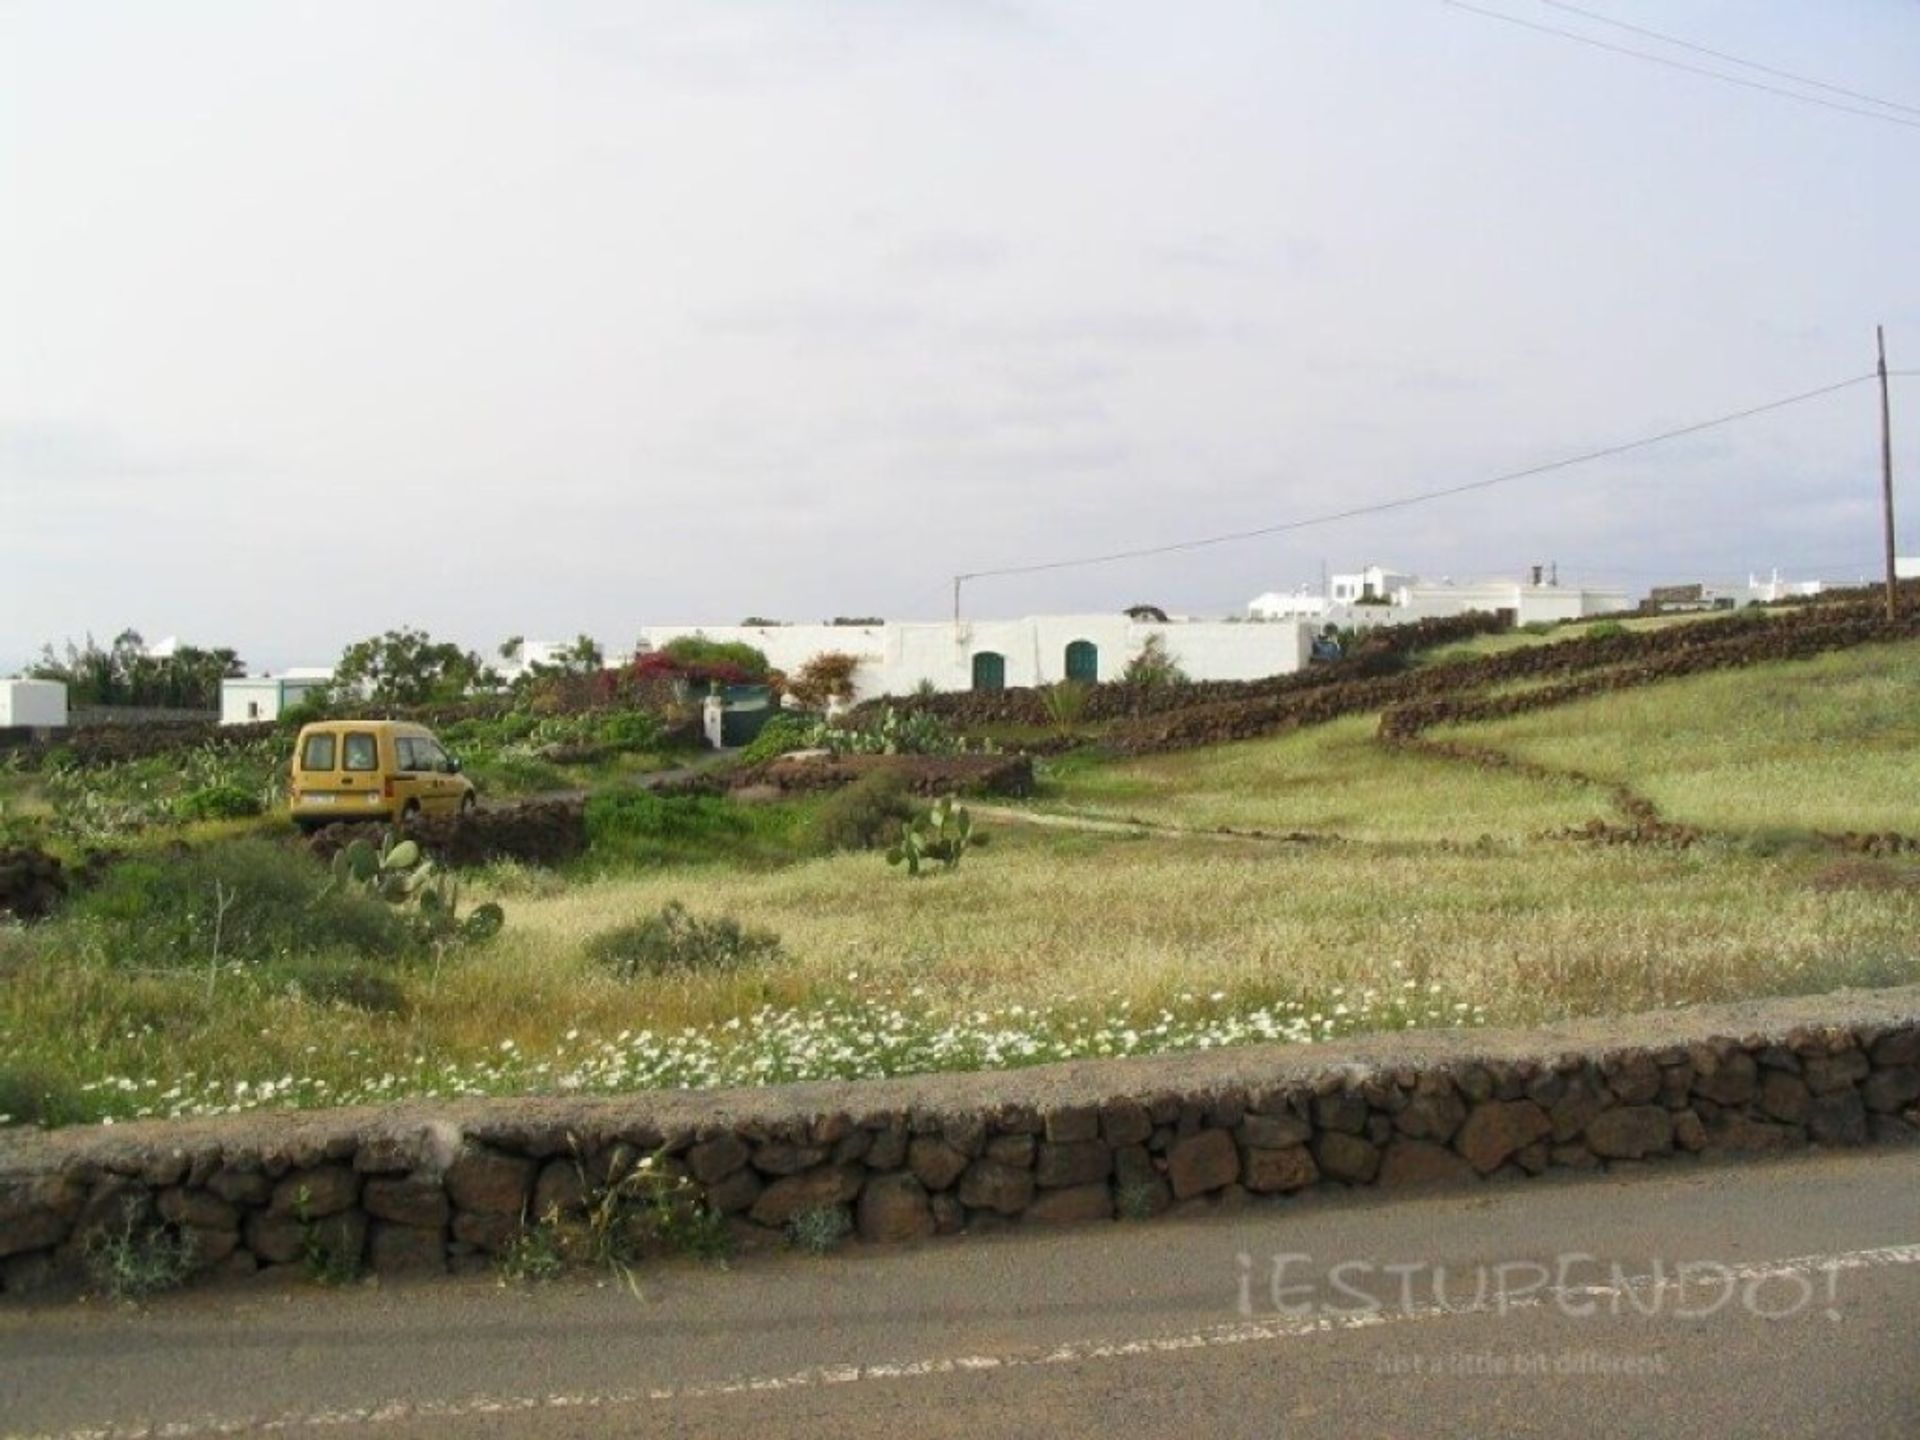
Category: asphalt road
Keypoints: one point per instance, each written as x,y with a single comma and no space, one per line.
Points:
1799,1315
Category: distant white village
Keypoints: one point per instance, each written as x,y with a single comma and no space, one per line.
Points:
1275,636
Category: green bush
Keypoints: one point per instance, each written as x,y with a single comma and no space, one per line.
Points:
1605,630
638,828
34,1095
629,730
868,814
781,734
163,910
675,941
218,802
696,651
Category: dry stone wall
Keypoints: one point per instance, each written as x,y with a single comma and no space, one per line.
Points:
424,1189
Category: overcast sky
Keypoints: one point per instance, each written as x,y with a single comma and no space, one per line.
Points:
533,318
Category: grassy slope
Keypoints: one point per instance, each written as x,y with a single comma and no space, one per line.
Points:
1332,779
1827,744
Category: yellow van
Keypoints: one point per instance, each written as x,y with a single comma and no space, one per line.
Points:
349,770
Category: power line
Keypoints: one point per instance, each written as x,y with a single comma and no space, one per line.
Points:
1673,64
1732,59
1402,502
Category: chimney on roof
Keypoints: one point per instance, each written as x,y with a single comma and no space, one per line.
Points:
1536,575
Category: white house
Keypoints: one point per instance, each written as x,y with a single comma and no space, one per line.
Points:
1379,596
1373,583
1299,604
1906,567
41,704
896,658
256,698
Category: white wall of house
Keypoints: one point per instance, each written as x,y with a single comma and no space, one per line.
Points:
1906,567
896,658
39,703
263,697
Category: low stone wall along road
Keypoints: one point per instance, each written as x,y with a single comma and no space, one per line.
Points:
1688,1299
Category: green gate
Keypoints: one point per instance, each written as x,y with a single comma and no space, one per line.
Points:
989,671
1083,661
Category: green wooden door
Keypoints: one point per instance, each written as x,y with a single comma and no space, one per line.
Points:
989,671
1083,661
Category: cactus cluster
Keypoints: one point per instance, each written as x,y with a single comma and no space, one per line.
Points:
940,835
399,872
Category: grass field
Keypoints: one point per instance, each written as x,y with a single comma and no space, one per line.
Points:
1436,905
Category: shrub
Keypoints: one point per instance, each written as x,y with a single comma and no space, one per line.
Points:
1153,666
941,835
355,986
218,802
868,814
781,734
675,941
697,653
163,910
635,827
138,1260
820,1230
827,676
34,1095
1066,704
629,730
1605,630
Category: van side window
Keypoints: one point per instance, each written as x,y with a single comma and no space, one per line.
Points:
405,757
317,754
361,751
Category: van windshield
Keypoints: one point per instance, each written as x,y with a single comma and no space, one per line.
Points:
317,753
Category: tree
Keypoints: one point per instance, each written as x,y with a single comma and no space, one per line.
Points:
1153,666
125,674
407,667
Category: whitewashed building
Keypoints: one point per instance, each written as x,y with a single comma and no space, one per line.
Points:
39,704
1381,596
251,699
897,658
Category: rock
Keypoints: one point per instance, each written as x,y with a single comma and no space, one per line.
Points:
1271,1172
482,1182
937,1164
1273,1132
965,1133
1689,1132
1342,1110
1629,1132
560,1190
210,1247
1083,1162
1784,1096
989,1185
1733,1131
241,1187
1838,1118
1431,1117
889,1149
406,1201
1014,1150
1409,1164
1073,1123
1201,1163
1898,1047
1892,1089
492,1233
1575,1110
1733,1080
852,1146
1495,1129
1125,1122
1634,1079
717,1158
894,1207
1348,1157
321,1191
820,1189
778,1157
280,1238
32,1230
1072,1203
406,1250
949,1215
736,1192
1828,1073
198,1208
1574,1156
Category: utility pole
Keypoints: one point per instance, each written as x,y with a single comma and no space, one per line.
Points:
1886,475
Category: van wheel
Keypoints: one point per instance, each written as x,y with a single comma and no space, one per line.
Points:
468,804
409,813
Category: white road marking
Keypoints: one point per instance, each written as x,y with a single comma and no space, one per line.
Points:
1246,1332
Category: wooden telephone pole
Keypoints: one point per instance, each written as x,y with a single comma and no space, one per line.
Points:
1886,477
